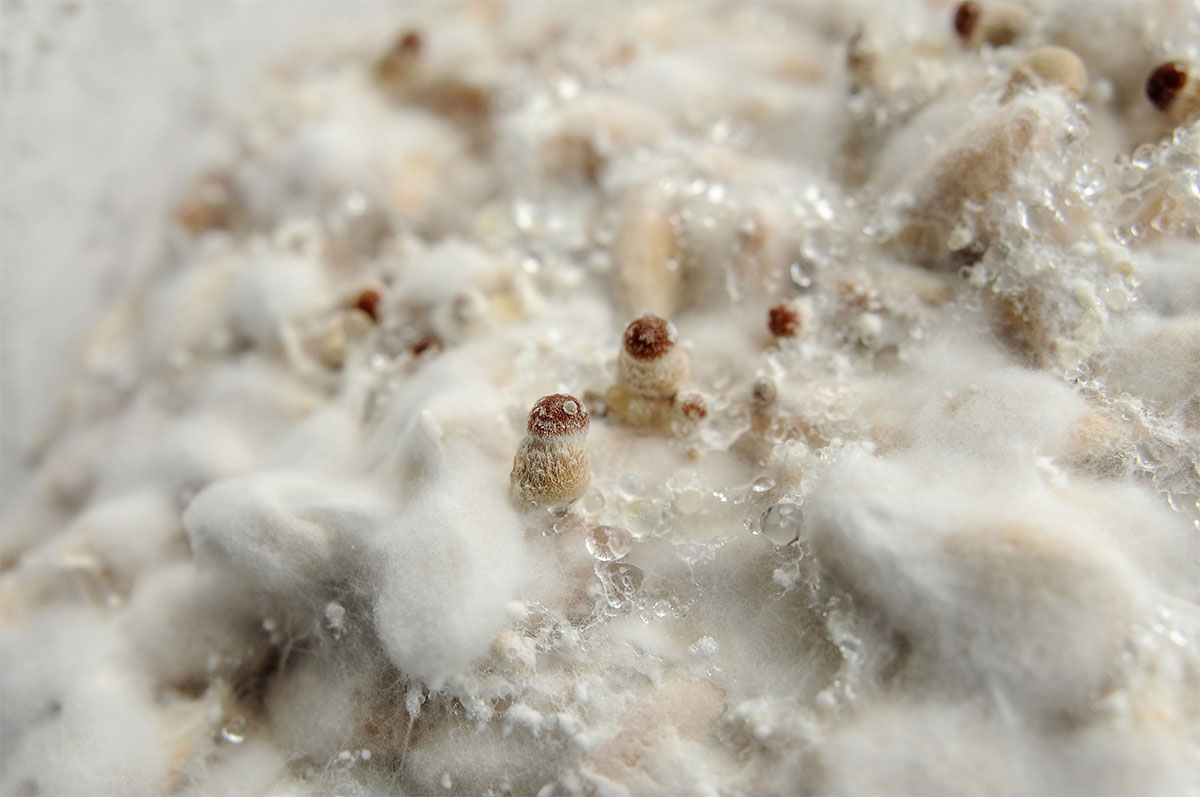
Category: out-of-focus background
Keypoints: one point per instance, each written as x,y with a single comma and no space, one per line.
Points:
105,105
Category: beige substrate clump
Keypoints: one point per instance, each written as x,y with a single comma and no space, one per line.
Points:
644,399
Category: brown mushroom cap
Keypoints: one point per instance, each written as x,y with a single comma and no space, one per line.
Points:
648,338
966,17
368,302
1165,83
556,415
783,321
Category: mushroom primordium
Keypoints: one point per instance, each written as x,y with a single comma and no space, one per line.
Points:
651,370
551,466
1173,89
784,320
995,24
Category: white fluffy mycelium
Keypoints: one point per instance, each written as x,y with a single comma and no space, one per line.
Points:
930,528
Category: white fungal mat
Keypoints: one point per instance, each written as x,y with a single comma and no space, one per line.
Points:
908,505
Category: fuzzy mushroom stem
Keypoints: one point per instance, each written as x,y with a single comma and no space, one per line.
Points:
650,363
551,466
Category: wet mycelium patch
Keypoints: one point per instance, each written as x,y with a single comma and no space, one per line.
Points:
645,399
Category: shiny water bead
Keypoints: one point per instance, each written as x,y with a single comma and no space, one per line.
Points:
762,484
800,276
689,501
621,583
643,517
781,522
234,731
608,543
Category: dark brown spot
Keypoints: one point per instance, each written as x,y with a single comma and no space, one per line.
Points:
783,321
397,65
1165,83
368,301
692,406
410,42
966,18
648,338
557,415
425,344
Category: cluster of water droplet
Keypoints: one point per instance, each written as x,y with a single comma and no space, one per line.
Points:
1158,189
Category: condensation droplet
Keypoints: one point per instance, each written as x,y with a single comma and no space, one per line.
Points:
689,501
629,484
643,517
780,523
608,543
762,484
234,731
800,276
621,583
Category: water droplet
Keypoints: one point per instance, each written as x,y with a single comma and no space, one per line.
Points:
780,523
608,543
643,517
689,501
800,276
568,524
570,408
704,647
762,484
412,702
234,731
629,484
621,583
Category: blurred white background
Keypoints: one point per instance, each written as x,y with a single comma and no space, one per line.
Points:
104,106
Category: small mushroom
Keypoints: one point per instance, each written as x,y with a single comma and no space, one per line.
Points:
650,363
551,466
395,69
1173,89
784,320
995,24
651,370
